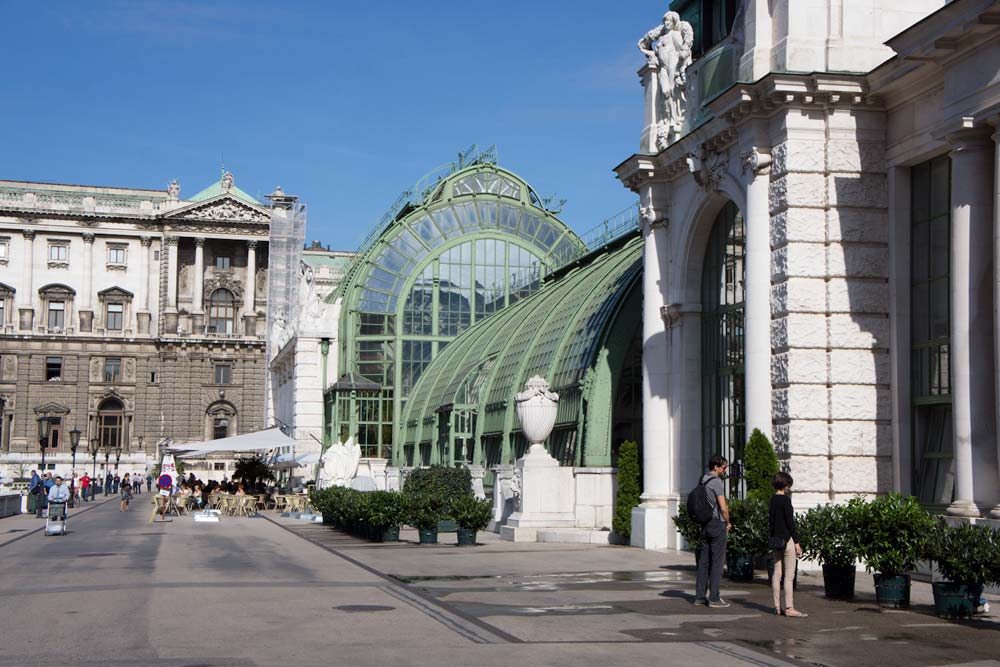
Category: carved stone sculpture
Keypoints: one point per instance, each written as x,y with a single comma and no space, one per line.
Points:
227,181
174,190
536,410
667,48
340,464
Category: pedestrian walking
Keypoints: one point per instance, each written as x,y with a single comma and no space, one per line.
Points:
783,541
149,483
35,489
84,486
117,482
714,535
126,494
108,480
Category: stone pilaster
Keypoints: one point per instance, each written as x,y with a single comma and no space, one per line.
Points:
250,291
86,309
830,304
198,285
143,316
26,308
170,311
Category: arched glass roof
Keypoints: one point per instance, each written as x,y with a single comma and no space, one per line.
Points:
481,198
557,332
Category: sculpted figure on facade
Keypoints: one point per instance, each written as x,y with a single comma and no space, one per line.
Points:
340,464
667,48
174,189
227,181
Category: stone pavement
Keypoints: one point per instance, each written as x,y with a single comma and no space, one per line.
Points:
274,591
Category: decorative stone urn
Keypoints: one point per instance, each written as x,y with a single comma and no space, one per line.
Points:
546,495
536,410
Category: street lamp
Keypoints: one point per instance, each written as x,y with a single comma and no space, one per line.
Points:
107,455
44,426
94,448
74,442
118,456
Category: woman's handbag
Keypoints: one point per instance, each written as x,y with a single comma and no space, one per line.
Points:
777,543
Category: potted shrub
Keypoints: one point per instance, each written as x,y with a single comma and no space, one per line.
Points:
892,533
828,534
629,489
385,514
747,538
966,556
424,511
472,515
689,530
444,482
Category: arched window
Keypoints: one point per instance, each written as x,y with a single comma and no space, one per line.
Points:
722,399
222,312
110,423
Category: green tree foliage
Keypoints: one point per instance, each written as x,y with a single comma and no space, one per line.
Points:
441,481
252,471
893,532
761,463
629,488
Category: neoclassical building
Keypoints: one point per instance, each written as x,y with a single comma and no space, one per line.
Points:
131,316
818,190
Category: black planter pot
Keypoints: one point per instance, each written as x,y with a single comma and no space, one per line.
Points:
466,537
770,574
740,567
328,519
838,581
428,535
952,600
892,590
390,534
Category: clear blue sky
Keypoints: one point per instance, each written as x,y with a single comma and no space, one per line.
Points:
343,103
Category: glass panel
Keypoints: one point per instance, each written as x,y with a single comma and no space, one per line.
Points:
447,222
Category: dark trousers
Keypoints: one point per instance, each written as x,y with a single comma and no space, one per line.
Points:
711,559
149,485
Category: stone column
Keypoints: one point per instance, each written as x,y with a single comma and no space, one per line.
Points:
972,390
170,311
651,519
250,291
26,300
198,280
995,512
87,293
757,294
142,315
650,82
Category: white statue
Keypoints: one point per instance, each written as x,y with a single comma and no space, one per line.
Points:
281,332
340,464
667,48
310,307
227,181
174,189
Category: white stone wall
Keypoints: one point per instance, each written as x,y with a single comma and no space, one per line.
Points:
830,303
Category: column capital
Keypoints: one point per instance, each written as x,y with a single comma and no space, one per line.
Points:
29,234
199,241
146,240
252,244
651,219
171,240
969,136
88,237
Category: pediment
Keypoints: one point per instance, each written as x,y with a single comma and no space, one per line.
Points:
51,409
115,293
224,208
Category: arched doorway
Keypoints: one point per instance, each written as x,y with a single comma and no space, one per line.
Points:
722,331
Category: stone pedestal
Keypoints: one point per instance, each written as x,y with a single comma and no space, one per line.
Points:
477,473
86,321
26,318
198,323
143,321
250,325
652,527
546,497
392,474
378,469
503,496
170,322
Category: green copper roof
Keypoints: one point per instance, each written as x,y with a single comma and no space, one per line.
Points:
574,332
215,189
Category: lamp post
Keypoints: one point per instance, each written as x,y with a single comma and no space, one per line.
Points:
107,455
118,457
74,442
43,440
94,448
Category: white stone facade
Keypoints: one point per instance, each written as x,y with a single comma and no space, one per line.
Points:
818,166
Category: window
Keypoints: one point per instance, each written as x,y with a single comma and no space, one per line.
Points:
110,424
53,368
223,262
58,252
722,341
220,428
3,311
115,315
219,465
112,369
223,373
930,328
116,255
711,20
57,314
221,312
154,377
4,249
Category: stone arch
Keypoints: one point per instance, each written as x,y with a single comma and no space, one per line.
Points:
220,414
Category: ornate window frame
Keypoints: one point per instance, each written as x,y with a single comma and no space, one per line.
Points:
115,295
6,306
221,410
54,293
61,260
114,246
4,250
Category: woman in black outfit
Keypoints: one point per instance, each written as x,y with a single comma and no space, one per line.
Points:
784,543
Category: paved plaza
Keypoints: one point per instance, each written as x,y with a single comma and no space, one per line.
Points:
276,591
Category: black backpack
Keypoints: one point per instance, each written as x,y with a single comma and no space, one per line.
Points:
699,509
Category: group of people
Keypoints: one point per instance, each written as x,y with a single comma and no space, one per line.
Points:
85,488
783,540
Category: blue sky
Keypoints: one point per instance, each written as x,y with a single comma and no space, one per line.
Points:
343,103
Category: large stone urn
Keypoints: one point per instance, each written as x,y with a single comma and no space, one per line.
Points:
544,490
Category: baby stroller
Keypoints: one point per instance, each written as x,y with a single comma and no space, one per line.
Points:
55,524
